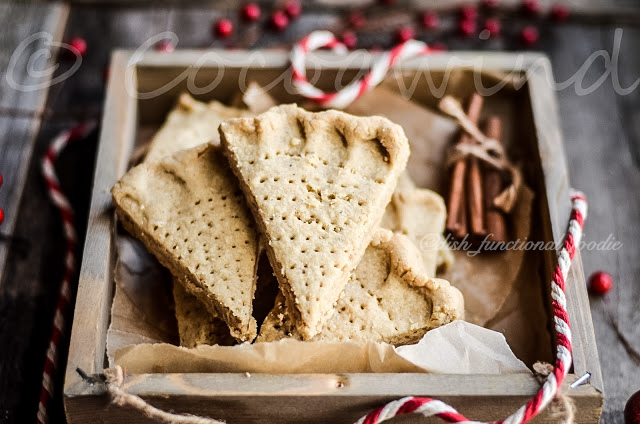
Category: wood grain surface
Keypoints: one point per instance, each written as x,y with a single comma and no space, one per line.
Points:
25,316
24,84
601,129
602,141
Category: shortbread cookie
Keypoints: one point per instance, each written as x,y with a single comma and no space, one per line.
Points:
196,324
317,183
388,299
419,214
390,220
190,124
190,213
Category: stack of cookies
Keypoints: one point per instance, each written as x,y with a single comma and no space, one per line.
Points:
288,224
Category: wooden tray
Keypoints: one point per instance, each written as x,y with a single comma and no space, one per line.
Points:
142,89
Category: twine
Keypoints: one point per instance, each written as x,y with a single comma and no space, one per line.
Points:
562,407
116,389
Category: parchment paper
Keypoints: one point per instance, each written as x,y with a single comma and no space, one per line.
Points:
137,322
142,337
456,348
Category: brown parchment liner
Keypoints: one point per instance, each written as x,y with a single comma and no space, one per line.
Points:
142,314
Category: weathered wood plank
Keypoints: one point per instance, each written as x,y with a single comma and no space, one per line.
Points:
625,9
25,51
602,139
263,398
93,302
26,36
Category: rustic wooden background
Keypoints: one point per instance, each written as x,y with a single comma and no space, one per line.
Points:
599,111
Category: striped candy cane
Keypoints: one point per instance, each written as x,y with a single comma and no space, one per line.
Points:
351,92
64,298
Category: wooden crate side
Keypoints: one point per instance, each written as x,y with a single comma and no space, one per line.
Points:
93,301
320,398
85,403
556,180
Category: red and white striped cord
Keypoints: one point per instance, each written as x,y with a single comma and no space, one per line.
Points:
68,223
431,407
426,406
351,92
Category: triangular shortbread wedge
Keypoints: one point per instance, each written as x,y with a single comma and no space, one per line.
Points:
190,213
192,123
317,184
389,298
419,214
189,124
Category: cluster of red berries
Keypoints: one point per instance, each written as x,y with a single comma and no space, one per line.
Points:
251,12
468,21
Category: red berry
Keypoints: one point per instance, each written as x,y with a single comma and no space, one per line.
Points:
403,34
493,26
223,28
467,27
250,12
164,46
468,13
279,20
632,409
559,12
78,46
530,7
1,215
349,39
356,19
600,283
293,9
430,20
1,180
490,4
529,35
438,47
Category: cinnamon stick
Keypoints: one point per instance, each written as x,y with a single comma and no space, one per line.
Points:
474,198
456,202
495,220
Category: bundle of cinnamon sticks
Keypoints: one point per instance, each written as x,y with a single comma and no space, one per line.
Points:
474,185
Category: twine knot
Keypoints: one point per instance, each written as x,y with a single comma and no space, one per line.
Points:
116,388
487,149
